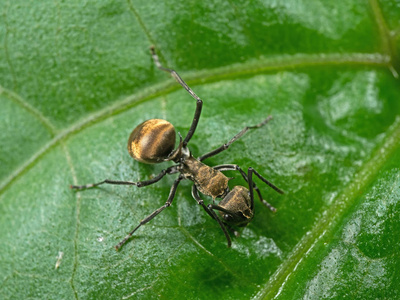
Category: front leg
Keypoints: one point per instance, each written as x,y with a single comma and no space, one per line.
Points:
154,213
212,214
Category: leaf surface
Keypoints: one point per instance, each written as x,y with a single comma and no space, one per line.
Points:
77,77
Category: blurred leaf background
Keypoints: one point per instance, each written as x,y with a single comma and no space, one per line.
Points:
77,77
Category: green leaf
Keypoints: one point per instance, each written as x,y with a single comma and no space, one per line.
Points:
77,77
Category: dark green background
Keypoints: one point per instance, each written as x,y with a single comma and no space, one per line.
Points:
76,77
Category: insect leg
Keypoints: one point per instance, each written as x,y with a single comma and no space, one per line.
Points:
154,213
251,186
221,209
234,139
199,102
212,214
251,171
170,170
232,167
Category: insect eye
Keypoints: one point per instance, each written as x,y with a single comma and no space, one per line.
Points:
227,217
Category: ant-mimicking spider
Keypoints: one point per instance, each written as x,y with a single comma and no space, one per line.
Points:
153,141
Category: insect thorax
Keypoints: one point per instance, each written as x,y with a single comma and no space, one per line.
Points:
209,181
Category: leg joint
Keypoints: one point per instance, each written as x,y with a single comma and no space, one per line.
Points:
139,184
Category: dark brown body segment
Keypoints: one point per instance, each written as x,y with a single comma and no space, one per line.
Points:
209,181
238,201
152,141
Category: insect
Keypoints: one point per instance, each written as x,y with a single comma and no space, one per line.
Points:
153,141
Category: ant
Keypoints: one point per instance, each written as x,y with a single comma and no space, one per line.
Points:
153,141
